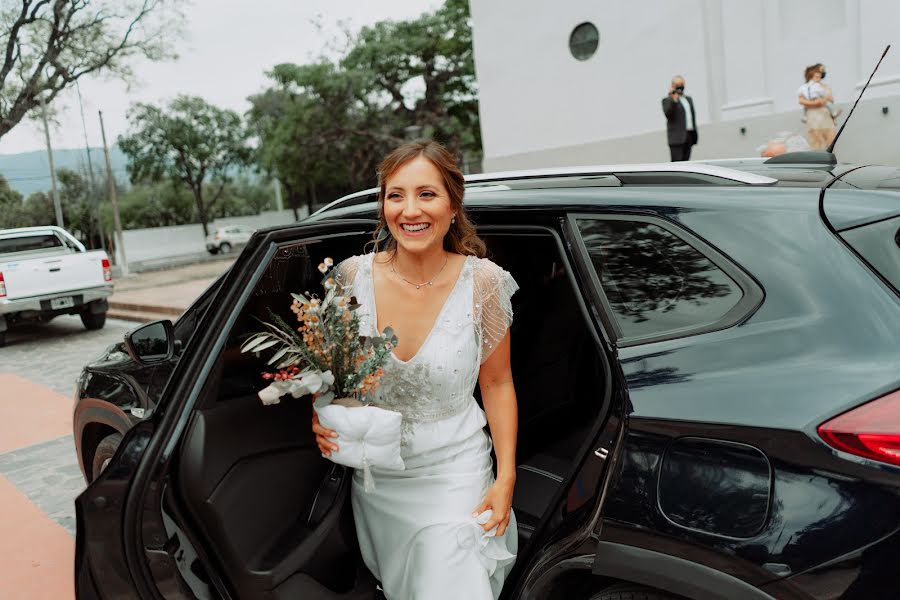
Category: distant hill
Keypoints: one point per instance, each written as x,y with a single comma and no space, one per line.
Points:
29,172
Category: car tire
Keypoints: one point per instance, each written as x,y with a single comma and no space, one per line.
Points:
106,449
631,591
213,250
2,339
93,321
224,247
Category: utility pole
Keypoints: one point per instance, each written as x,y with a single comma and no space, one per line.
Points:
92,191
120,241
56,204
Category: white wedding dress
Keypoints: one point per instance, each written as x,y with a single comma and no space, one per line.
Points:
415,528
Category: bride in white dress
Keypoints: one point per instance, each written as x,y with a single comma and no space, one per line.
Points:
443,528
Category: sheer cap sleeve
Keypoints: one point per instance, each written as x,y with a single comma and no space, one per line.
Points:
493,290
345,273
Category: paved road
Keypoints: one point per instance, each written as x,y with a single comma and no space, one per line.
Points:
53,353
39,474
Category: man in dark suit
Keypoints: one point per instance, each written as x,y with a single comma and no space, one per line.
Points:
681,121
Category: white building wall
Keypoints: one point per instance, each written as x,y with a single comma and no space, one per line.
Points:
743,62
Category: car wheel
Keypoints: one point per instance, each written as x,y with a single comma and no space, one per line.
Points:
630,591
213,250
225,247
93,321
104,453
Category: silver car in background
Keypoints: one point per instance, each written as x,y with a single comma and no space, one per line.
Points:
226,239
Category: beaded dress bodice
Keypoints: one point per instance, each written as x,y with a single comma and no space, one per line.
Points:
438,381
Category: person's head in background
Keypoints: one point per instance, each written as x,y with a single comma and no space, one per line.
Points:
773,148
781,142
678,84
814,72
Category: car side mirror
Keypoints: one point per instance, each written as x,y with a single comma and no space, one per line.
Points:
151,343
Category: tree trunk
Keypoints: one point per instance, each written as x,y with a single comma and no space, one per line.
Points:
201,209
312,198
293,199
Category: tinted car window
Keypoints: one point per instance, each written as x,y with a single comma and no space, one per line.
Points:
655,282
29,243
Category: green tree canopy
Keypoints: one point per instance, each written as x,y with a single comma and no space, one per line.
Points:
423,71
331,122
10,205
47,45
189,141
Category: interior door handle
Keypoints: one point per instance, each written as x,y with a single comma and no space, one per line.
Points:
327,495
601,453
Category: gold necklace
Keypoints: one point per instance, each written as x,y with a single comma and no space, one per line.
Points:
430,282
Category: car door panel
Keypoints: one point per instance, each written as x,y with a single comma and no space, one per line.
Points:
249,472
264,537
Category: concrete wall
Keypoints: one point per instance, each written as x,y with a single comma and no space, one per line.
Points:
743,62
869,138
153,244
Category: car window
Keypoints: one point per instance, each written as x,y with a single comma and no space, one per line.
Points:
655,282
30,243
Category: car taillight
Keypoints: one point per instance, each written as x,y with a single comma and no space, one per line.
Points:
871,430
107,271
2,287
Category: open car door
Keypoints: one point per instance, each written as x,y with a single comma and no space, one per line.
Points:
216,495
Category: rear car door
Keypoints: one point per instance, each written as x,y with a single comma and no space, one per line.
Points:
216,495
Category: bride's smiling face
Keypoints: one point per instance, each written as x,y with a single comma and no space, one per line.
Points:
417,207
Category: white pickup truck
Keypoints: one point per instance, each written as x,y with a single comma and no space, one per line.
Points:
45,272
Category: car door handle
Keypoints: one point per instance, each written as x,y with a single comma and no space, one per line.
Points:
601,453
326,495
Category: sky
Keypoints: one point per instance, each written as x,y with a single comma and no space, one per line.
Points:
223,57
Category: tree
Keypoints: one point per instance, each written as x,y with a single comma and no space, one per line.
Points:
10,205
329,124
423,71
299,124
47,45
189,141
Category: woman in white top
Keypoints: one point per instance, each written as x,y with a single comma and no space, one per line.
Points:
815,97
443,528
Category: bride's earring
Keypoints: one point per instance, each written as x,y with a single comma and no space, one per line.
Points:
453,221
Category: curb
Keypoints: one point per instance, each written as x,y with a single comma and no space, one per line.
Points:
137,316
145,308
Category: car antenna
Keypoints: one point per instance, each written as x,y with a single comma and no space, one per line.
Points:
861,92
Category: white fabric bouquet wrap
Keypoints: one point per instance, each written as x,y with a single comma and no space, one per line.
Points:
368,436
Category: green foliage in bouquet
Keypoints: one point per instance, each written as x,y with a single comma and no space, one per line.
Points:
325,355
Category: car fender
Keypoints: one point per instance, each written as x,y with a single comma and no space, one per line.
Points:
90,411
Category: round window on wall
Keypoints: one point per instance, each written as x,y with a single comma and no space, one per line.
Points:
584,40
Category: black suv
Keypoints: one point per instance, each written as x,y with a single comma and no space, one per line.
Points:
707,362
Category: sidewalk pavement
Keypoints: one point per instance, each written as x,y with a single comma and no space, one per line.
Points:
153,295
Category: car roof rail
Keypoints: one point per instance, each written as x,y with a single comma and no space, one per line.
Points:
685,173
686,169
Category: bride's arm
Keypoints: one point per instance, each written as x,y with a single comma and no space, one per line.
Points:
499,398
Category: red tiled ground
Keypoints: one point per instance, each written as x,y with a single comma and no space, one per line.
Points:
36,553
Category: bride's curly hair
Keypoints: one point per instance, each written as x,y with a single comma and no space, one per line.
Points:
461,237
